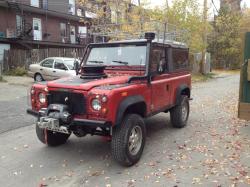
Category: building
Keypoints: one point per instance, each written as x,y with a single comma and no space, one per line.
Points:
45,27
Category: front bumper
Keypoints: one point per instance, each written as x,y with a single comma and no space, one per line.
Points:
78,121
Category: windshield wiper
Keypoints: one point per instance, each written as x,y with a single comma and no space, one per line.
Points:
120,62
96,61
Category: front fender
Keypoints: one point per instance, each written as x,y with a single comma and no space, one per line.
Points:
123,106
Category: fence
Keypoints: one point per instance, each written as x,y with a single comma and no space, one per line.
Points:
13,58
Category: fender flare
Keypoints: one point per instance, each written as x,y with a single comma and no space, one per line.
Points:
124,104
180,89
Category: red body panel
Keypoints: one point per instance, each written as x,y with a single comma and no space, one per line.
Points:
159,94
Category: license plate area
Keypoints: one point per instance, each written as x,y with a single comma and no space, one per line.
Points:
52,124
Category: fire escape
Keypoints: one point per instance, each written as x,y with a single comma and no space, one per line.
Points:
23,29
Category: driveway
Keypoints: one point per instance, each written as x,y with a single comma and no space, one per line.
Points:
213,150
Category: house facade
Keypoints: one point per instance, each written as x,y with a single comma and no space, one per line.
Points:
42,23
31,30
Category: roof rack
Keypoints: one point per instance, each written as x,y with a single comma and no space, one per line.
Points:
165,32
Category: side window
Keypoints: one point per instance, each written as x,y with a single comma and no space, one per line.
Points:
48,63
180,59
158,62
60,65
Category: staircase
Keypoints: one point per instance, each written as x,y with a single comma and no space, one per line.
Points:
25,29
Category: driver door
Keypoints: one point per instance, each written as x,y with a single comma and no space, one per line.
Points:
159,81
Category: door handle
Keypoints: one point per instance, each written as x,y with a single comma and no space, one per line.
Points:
54,71
41,69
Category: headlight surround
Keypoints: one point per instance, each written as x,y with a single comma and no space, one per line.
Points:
96,104
42,97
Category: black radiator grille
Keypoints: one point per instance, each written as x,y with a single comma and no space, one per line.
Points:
75,101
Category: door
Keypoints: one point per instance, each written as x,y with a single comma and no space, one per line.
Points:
37,29
160,88
60,70
46,69
72,34
244,100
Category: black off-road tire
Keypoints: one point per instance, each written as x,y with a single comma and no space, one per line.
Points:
120,140
51,138
176,114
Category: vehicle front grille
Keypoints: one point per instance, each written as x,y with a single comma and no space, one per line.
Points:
76,102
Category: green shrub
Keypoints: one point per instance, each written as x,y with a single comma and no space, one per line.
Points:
1,79
19,71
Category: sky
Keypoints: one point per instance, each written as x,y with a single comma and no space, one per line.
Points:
216,2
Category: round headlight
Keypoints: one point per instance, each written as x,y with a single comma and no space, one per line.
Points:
42,98
96,104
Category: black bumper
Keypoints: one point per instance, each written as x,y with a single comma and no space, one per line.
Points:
32,112
78,121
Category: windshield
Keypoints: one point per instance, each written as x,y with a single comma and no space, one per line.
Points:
70,64
129,55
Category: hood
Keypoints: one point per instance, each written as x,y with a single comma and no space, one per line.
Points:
86,84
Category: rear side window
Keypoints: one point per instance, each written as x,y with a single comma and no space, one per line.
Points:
48,63
180,59
158,62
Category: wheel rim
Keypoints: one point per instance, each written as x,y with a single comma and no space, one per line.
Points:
135,140
39,78
184,111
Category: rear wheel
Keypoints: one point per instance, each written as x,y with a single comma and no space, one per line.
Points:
180,113
38,77
51,138
128,140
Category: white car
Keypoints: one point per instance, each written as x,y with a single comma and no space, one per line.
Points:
52,68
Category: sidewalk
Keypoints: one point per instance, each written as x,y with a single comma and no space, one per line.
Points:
16,80
14,87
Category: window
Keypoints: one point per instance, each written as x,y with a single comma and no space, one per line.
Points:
45,4
72,7
34,3
82,31
63,31
131,55
48,63
180,59
19,24
79,12
158,62
60,65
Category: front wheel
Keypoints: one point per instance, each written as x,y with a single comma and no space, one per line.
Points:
180,113
128,140
51,138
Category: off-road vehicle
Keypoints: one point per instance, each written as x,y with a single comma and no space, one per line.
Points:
119,84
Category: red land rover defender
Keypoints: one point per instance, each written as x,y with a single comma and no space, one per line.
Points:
118,86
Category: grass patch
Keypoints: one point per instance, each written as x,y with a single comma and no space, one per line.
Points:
202,78
1,79
19,71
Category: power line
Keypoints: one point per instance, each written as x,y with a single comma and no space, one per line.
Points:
215,6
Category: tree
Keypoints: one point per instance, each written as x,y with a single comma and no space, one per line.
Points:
225,42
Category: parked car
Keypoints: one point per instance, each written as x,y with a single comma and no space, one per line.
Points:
120,84
52,68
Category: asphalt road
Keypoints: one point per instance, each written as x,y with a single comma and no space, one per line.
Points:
213,150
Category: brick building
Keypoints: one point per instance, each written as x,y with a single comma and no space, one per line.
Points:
31,30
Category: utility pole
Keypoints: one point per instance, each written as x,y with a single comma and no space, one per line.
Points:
204,37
